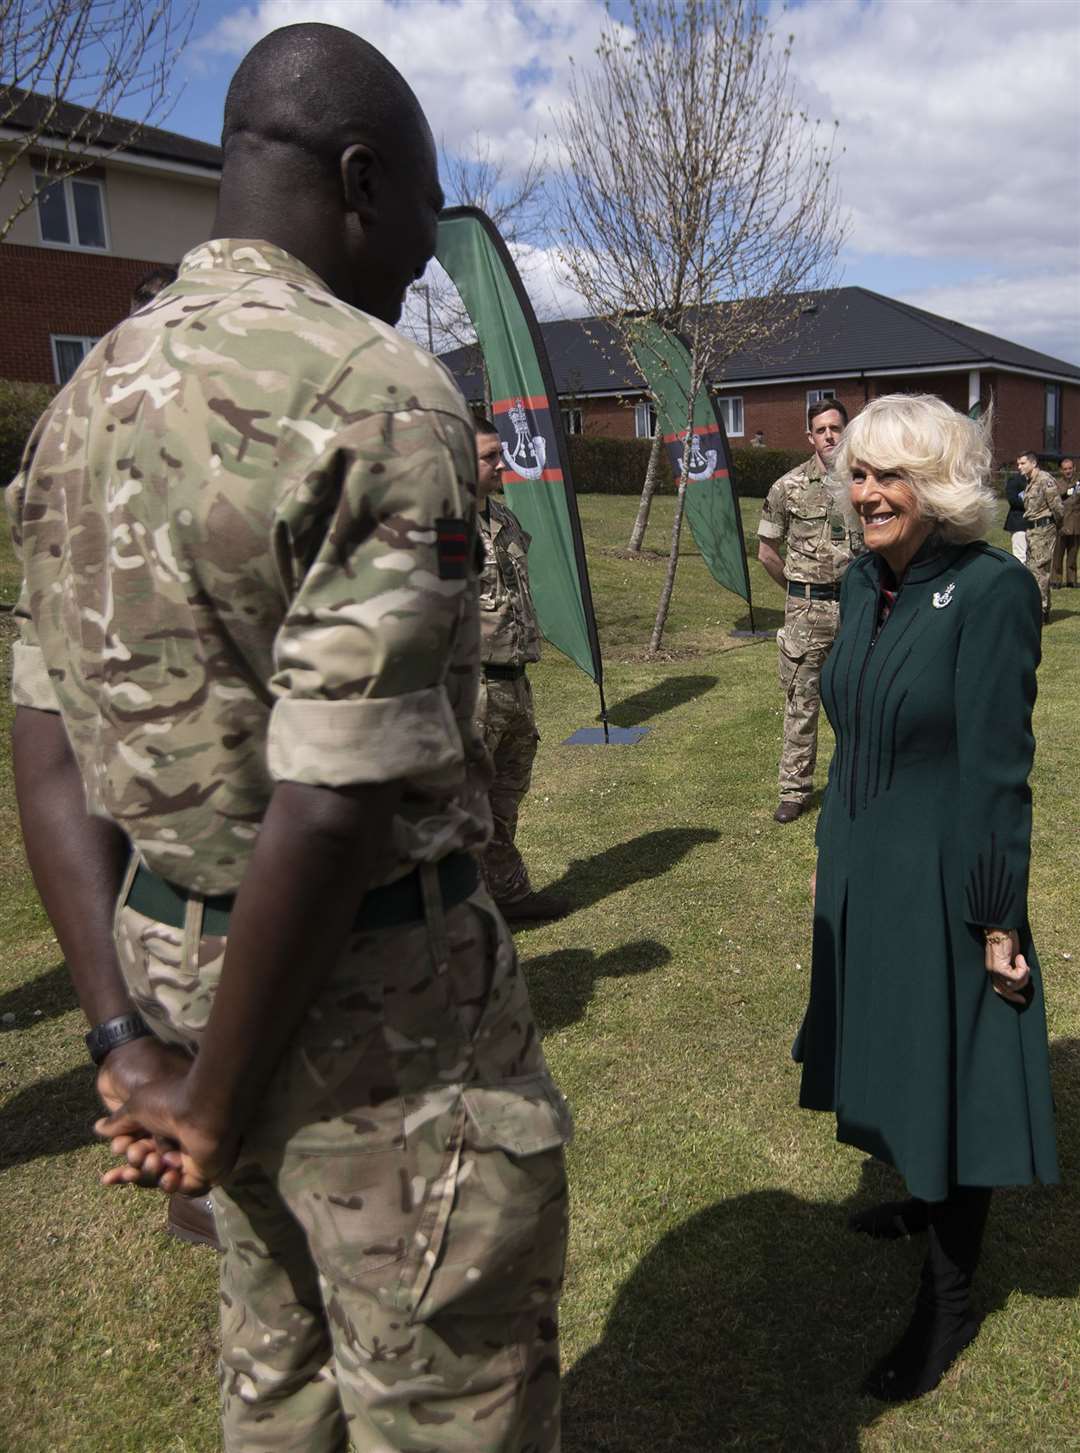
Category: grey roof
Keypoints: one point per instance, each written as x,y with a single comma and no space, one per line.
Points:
843,331
111,131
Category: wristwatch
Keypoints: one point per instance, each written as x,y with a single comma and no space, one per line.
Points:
110,1034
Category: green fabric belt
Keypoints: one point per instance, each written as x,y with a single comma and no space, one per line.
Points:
391,906
504,673
1042,520
803,591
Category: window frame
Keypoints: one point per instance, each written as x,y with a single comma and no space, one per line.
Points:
650,415
55,338
568,417
1052,431
728,399
42,181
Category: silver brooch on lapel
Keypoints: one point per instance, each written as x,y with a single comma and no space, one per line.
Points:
942,598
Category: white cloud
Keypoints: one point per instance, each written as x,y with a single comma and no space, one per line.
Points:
1041,311
484,66
960,123
959,119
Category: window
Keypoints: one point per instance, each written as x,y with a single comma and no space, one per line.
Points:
71,212
571,421
644,420
815,395
731,413
68,353
1052,417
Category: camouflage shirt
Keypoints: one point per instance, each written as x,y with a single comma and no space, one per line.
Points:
246,531
800,510
509,634
1042,497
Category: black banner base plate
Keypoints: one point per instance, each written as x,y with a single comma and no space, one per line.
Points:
612,736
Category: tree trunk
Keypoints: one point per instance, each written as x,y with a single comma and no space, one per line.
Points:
637,534
676,530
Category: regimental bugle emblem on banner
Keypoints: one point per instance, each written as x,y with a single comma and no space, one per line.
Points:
528,456
699,466
703,463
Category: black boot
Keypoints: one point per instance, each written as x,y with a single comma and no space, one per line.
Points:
943,1323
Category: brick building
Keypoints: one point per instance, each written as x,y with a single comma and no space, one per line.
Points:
847,343
69,262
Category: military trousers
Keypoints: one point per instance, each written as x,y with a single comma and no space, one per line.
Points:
1040,555
803,643
1063,568
394,1229
505,719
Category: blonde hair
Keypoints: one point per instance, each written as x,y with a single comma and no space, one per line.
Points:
943,455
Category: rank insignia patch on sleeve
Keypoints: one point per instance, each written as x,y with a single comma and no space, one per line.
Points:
452,545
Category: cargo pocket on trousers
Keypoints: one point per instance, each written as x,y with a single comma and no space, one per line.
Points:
500,1248
792,642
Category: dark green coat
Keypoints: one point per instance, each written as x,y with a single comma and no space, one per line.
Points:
924,838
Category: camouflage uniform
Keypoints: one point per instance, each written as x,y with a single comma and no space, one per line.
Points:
1063,570
820,545
1042,501
509,639
245,529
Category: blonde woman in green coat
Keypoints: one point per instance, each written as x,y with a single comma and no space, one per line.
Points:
926,1031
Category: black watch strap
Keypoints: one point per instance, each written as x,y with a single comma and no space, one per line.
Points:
110,1034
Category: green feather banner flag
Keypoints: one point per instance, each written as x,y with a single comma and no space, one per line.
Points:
712,508
526,413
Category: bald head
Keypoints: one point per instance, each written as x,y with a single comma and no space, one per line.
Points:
329,156
319,88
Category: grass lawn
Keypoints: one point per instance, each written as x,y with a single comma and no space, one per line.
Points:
714,1299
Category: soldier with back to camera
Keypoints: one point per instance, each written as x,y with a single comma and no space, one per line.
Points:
249,644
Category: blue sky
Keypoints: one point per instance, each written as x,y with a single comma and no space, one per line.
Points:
959,119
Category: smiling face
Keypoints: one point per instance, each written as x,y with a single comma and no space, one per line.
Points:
1068,470
889,511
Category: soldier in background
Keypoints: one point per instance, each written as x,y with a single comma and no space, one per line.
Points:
1063,570
1043,511
800,511
509,642
245,684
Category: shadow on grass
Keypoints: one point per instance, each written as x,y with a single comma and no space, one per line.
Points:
562,983
752,1324
51,993
673,691
49,1117
651,855
765,619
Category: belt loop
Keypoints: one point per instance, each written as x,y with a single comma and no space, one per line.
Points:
125,888
193,927
434,916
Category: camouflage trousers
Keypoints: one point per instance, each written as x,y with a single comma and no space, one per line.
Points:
504,717
394,1230
1040,555
1063,569
803,641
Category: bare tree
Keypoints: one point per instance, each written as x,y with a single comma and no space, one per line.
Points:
516,201
695,192
66,66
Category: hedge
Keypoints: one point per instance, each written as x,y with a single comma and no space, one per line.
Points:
20,406
617,466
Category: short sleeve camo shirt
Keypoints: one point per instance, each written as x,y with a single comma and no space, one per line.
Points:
800,509
246,531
